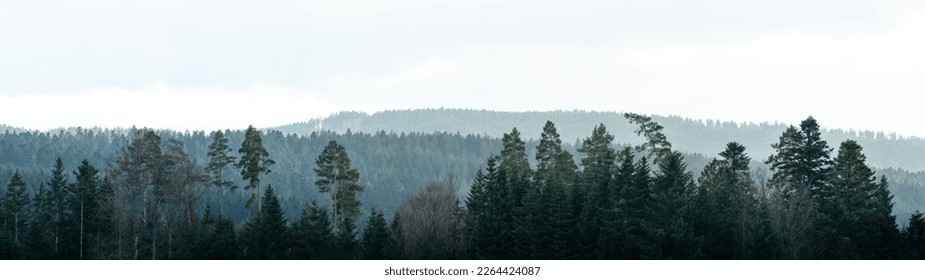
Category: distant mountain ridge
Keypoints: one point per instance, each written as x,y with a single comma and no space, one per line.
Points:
706,137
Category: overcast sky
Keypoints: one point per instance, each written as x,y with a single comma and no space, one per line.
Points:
226,64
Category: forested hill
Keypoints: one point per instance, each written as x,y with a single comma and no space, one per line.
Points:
401,174
5,128
883,150
392,166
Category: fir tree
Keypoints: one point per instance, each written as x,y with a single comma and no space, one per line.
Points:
491,207
855,211
313,233
375,237
667,228
597,181
914,236
59,200
345,243
268,237
85,207
16,209
41,232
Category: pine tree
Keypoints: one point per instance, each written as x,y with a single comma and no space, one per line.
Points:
800,165
254,160
656,142
546,205
220,158
375,237
514,163
335,175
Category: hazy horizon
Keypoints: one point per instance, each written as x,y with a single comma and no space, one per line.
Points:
205,65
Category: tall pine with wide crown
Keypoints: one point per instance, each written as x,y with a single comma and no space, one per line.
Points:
220,158
254,160
337,176
800,165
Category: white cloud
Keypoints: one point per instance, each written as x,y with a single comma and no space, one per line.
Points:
861,80
365,7
161,107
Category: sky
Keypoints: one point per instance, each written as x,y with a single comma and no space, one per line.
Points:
205,65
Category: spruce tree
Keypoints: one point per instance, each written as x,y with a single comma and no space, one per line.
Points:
85,208
618,223
268,237
345,243
59,200
668,207
375,237
16,209
218,240
41,232
313,234
855,211
597,181
489,202
724,205
914,236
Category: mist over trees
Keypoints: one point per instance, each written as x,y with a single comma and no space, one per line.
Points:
143,194
703,137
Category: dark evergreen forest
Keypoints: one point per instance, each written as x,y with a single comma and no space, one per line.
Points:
251,194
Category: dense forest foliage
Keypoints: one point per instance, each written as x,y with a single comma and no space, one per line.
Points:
704,137
143,194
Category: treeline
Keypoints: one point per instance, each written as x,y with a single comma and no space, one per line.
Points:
384,157
615,203
700,136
